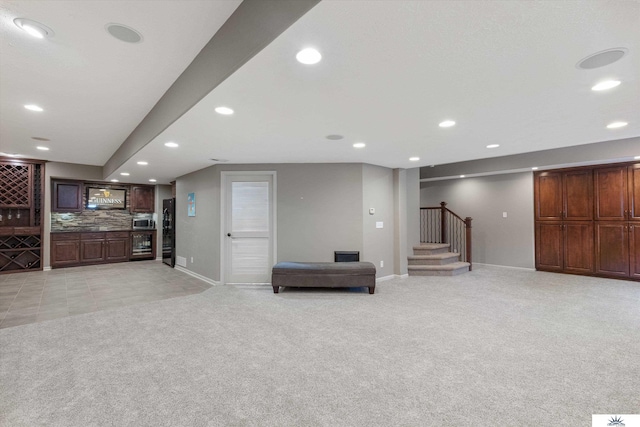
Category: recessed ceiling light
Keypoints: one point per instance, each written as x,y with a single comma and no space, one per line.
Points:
171,144
616,125
225,111
535,168
461,176
152,180
123,33
359,145
33,107
143,163
493,145
602,58
11,154
124,173
115,180
414,159
607,84
447,124
637,157
40,147
34,28
334,137
309,56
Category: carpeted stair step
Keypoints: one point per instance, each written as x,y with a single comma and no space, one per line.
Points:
435,259
452,269
431,248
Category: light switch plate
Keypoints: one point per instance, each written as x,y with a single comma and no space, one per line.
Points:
379,224
504,214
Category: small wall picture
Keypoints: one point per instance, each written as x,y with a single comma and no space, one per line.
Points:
191,204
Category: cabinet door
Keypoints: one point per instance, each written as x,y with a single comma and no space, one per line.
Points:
612,248
549,248
91,250
548,196
634,249
611,193
142,199
634,192
578,247
67,196
65,252
578,195
117,249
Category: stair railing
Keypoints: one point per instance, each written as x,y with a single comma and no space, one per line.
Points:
441,225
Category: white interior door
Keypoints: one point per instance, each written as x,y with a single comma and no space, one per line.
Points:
248,228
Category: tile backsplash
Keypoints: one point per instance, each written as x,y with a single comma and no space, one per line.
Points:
92,220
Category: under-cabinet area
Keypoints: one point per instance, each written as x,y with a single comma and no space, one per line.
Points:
73,249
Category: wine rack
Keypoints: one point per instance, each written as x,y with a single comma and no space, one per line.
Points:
20,253
16,185
21,197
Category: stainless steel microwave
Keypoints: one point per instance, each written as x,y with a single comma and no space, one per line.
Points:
143,224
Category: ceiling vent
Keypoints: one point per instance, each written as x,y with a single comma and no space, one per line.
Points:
124,33
600,59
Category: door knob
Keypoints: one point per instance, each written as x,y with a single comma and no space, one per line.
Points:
229,234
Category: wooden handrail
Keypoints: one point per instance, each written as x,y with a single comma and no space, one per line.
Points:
447,229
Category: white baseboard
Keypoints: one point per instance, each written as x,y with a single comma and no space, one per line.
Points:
391,277
505,266
197,276
46,269
158,258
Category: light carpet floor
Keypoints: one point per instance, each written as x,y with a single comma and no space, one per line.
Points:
492,347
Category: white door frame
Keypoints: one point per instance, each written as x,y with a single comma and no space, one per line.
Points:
224,178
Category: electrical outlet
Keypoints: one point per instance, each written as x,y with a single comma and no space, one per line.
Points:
381,264
191,260
504,214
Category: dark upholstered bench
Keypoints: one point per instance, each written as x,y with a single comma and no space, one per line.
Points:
324,275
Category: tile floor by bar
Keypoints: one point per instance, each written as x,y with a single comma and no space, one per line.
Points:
44,295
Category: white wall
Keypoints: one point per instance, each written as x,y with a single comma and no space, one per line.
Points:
319,210
412,213
378,243
496,240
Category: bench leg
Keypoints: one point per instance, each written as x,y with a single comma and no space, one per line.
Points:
276,289
371,289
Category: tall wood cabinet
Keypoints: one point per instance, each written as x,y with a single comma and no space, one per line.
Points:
587,220
564,230
21,214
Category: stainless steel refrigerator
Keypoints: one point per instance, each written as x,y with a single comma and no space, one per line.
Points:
169,232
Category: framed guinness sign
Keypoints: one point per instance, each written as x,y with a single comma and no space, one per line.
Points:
104,198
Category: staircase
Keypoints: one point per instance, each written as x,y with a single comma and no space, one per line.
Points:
434,259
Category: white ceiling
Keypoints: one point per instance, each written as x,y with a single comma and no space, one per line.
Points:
391,71
94,88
